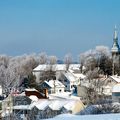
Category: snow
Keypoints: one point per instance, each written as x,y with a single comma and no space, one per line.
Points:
70,77
87,117
116,78
80,75
57,83
40,67
57,104
56,67
116,88
31,89
64,95
33,98
42,104
22,107
74,66
70,105
59,67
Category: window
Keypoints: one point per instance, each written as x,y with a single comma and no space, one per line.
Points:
65,80
60,90
71,86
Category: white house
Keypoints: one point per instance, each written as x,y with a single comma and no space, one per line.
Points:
58,68
110,82
69,80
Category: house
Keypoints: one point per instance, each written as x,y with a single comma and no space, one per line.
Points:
109,83
102,85
58,68
116,93
69,80
53,86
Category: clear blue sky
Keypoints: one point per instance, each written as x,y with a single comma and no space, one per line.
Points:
57,27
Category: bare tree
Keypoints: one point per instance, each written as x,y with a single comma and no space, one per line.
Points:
52,60
68,60
43,58
99,57
81,60
95,88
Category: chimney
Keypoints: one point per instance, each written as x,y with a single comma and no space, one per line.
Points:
46,93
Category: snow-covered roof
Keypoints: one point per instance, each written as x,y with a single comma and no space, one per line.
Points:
116,88
31,89
64,95
70,76
42,104
33,98
56,82
74,66
116,78
55,67
79,75
57,104
70,105
22,107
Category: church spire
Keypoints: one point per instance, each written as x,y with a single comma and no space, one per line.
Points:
115,33
115,47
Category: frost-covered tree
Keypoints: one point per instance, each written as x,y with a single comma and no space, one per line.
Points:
99,57
68,60
50,73
52,60
43,58
104,60
97,62
14,69
95,85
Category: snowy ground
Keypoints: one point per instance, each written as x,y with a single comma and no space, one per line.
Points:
87,117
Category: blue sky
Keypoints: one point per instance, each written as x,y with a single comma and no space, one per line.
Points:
57,27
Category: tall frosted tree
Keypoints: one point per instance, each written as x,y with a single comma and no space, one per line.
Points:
68,60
